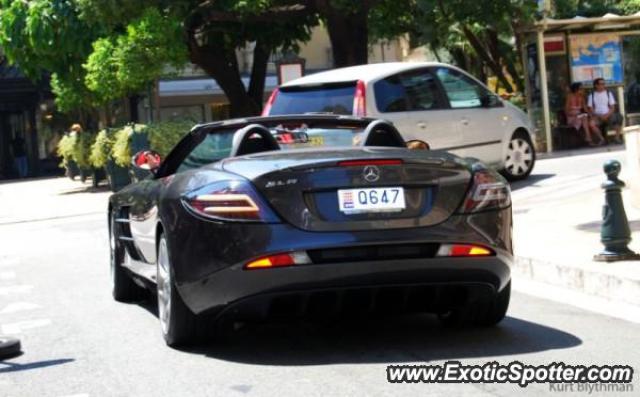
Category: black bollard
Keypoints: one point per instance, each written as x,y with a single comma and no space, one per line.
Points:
615,234
9,347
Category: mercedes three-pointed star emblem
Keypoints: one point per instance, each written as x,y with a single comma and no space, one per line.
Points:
371,173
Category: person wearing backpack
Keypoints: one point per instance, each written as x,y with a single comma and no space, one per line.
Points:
602,107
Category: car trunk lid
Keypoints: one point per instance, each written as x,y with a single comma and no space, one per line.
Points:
302,185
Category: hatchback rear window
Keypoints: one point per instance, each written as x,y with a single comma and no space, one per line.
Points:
305,137
337,99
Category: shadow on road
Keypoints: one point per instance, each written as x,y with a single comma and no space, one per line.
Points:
531,180
382,340
395,339
6,366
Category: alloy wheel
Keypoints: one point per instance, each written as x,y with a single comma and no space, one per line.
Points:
163,280
112,250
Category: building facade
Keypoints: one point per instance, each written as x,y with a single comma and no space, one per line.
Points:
19,100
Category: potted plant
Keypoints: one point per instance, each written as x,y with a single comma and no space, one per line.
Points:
101,157
160,137
65,151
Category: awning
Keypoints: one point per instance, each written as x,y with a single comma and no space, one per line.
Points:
204,86
606,22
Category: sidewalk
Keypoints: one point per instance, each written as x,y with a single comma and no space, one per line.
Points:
50,198
555,241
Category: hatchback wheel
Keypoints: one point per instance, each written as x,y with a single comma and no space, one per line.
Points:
123,288
178,323
521,157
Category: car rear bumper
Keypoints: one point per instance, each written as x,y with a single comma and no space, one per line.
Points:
433,277
210,274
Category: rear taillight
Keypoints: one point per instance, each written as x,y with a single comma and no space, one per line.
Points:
272,98
488,191
463,250
229,201
279,260
360,100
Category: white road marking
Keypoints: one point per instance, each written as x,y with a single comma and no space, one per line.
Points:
19,307
18,327
15,289
7,275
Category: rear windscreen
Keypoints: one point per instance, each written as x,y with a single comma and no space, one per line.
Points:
217,146
323,99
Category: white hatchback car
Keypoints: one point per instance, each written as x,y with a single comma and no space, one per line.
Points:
433,102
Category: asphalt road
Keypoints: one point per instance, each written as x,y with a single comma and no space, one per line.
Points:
564,177
54,294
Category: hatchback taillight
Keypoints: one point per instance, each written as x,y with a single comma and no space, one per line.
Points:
360,100
272,98
488,191
229,201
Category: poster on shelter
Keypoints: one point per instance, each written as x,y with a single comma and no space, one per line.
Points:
596,55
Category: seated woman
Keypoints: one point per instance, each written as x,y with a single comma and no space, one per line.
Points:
576,110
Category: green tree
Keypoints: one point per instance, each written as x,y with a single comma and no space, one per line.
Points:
128,62
208,34
593,8
485,28
214,31
47,36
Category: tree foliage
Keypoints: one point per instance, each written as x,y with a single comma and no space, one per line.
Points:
128,62
47,36
478,35
100,50
146,35
593,8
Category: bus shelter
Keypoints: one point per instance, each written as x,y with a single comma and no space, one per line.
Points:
559,52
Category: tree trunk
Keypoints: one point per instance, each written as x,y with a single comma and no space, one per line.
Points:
261,54
134,115
515,26
486,58
515,75
222,65
348,32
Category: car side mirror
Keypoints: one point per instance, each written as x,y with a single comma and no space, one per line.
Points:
147,160
417,144
490,101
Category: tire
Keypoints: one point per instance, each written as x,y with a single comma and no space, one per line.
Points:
483,314
9,347
521,157
123,288
179,325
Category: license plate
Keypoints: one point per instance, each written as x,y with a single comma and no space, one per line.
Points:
383,199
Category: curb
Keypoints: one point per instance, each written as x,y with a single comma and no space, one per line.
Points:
614,287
